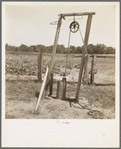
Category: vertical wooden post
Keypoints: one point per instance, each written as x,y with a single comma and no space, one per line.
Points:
92,67
51,84
40,67
83,53
87,70
64,89
58,95
84,70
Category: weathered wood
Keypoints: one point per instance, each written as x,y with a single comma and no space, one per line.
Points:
53,52
55,46
64,89
87,69
77,14
92,68
40,67
80,73
51,84
83,73
58,95
83,54
47,85
42,89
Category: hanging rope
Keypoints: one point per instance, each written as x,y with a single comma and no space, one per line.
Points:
83,41
69,47
67,52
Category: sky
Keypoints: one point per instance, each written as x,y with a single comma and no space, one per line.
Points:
29,23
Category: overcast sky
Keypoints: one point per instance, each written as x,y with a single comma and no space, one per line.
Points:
29,23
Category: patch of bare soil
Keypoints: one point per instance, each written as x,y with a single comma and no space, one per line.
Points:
95,102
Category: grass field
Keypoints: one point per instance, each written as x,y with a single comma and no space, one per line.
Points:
21,100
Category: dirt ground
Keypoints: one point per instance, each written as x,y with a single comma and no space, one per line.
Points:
21,102
95,101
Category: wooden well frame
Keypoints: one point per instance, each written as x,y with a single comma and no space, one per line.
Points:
86,38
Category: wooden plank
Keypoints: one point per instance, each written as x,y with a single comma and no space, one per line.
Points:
77,14
40,67
83,73
87,70
83,54
92,68
51,84
58,95
64,89
42,89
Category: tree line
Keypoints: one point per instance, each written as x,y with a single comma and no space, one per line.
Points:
96,49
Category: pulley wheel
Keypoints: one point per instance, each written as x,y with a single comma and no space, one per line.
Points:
74,26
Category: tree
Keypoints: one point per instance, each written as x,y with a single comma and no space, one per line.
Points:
33,47
72,49
99,49
49,49
109,50
60,49
24,48
78,50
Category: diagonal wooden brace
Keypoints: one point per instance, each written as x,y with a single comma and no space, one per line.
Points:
83,53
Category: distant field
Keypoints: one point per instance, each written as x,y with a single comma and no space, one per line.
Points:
49,54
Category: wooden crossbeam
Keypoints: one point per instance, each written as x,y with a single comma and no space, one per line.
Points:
77,14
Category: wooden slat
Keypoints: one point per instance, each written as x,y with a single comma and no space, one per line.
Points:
92,68
86,70
64,89
58,95
51,84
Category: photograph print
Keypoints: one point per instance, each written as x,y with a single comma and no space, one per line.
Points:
60,60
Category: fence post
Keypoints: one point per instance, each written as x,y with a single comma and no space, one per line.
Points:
40,67
58,95
87,70
64,89
51,84
92,67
